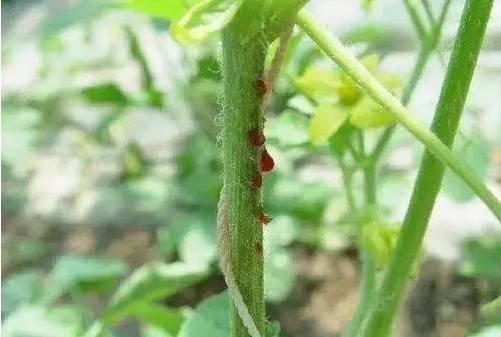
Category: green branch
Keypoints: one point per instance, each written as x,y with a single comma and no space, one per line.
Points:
429,12
242,65
416,19
427,47
367,292
368,284
337,52
431,171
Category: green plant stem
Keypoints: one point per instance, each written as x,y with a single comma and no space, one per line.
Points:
335,50
368,288
416,19
382,142
368,284
427,47
347,176
429,12
355,153
435,38
448,113
242,65
368,273
370,184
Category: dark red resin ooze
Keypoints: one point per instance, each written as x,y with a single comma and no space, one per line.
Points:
257,181
263,217
267,162
261,87
256,138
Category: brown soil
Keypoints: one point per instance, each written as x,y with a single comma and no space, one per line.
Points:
438,303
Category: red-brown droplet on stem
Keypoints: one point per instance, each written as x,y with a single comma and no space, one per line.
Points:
261,87
256,138
267,163
257,181
259,248
263,217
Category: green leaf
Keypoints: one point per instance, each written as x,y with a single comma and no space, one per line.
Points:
19,289
19,134
367,4
75,13
491,331
339,140
150,282
326,120
136,51
105,93
369,33
272,329
281,232
474,150
279,274
97,329
36,321
482,258
371,62
367,113
168,319
317,83
198,246
390,81
203,19
209,319
153,331
193,236
380,239
164,9
20,250
73,271
491,311
288,129
303,200
301,103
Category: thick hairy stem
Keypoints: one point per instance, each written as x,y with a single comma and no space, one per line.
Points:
223,234
242,66
335,50
431,171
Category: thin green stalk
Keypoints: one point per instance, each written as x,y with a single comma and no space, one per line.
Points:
347,176
382,142
242,65
335,50
431,171
356,154
367,286
427,47
435,38
370,184
416,19
429,12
